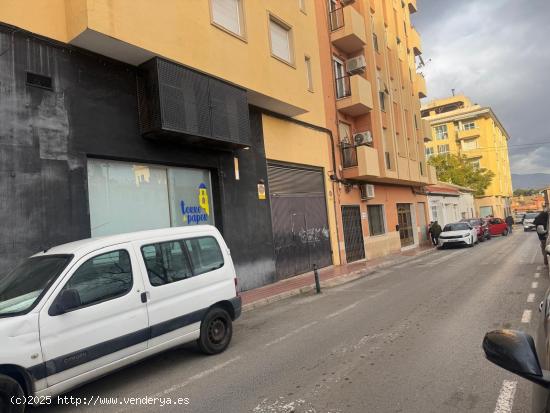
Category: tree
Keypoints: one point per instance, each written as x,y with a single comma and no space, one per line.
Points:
458,170
526,192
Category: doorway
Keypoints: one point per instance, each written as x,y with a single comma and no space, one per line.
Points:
404,218
353,233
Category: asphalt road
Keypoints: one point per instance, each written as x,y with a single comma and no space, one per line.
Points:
406,339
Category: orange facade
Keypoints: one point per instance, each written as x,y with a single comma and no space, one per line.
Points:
369,52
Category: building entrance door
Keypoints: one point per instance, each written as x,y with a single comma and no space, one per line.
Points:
404,218
353,233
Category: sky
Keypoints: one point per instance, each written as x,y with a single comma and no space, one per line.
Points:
497,52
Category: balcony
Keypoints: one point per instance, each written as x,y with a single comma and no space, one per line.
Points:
412,6
347,28
467,134
420,86
354,95
414,42
426,131
366,164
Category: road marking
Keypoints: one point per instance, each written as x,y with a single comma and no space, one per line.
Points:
526,317
505,399
293,332
531,298
537,275
343,310
444,258
534,284
188,381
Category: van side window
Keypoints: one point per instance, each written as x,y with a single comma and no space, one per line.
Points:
205,254
166,262
102,278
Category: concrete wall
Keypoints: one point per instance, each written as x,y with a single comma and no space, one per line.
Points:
46,137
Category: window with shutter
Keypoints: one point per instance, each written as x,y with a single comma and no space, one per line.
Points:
281,44
228,14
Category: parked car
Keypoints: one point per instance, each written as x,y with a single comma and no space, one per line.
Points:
497,226
516,351
77,311
528,221
480,226
459,233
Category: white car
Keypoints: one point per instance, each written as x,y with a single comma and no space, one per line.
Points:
459,233
528,220
77,311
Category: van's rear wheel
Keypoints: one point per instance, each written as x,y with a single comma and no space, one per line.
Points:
9,388
216,331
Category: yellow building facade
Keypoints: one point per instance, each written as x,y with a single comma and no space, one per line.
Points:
270,49
462,128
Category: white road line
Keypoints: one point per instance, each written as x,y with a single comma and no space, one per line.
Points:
534,284
526,317
293,332
190,380
537,274
505,399
343,310
531,298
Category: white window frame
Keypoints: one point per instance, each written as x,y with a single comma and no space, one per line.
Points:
429,151
469,125
384,223
241,32
339,73
445,146
441,132
274,20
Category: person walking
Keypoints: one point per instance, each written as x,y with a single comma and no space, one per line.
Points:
435,232
541,224
510,222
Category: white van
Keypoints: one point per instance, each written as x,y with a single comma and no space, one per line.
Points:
80,310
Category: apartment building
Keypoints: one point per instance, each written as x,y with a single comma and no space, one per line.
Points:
461,127
369,51
127,115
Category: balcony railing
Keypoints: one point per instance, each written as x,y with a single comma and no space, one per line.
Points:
336,19
349,155
343,87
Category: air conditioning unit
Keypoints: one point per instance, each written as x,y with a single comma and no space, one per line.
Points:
346,2
356,64
363,138
367,191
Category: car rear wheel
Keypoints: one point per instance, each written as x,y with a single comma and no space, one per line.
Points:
216,331
10,388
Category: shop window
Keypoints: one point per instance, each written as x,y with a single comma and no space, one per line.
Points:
126,197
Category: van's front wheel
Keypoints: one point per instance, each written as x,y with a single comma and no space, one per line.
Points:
216,331
10,389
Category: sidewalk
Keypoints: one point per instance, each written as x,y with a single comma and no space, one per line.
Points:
330,277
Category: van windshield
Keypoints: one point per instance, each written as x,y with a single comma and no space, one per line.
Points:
21,288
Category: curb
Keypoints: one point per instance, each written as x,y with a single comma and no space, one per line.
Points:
330,283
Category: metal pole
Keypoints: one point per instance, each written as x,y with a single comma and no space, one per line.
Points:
317,282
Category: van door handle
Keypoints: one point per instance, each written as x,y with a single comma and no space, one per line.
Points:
144,297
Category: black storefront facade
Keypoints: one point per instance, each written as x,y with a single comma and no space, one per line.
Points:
66,112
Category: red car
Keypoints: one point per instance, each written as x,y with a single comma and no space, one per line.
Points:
481,227
497,226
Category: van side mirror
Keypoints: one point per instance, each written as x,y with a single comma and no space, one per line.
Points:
515,351
66,301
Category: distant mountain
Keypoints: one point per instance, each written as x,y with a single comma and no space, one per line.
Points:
530,181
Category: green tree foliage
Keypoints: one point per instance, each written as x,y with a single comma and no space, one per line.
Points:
458,170
526,192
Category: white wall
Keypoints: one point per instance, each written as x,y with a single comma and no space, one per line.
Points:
448,209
